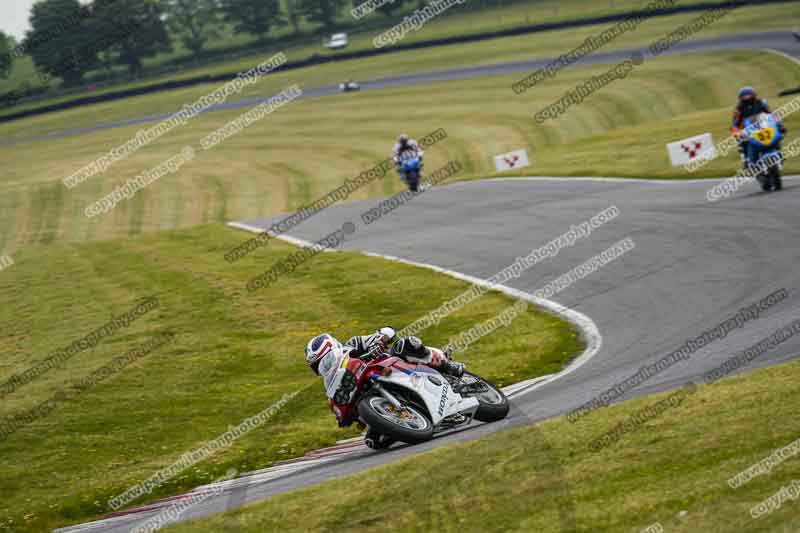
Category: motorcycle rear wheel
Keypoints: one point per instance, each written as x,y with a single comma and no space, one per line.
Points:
410,425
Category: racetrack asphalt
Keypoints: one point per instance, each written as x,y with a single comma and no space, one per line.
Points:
695,265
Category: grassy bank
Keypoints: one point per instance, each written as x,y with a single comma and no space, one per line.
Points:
673,470
525,47
234,354
309,147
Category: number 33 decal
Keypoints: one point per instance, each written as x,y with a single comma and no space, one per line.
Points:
764,136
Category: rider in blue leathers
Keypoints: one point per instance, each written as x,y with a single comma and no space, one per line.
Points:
749,105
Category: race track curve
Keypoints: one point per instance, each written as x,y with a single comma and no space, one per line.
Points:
695,264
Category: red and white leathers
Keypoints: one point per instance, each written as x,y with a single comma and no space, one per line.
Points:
341,365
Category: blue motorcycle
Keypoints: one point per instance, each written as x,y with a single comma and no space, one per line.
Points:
410,169
762,139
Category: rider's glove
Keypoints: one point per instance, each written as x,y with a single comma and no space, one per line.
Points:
782,128
437,358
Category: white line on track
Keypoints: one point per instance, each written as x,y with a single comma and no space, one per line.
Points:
587,327
676,181
784,55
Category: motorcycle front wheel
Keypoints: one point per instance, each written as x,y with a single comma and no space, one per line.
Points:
492,403
407,424
775,178
413,181
766,182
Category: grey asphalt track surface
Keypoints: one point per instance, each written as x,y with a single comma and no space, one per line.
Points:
782,41
695,265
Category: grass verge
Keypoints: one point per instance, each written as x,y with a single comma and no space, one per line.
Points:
234,354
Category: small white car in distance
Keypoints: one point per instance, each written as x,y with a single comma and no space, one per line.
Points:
337,40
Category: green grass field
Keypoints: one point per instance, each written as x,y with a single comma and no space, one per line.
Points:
234,354
309,147
540,45
673,470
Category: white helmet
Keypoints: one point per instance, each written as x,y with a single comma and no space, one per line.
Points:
319,347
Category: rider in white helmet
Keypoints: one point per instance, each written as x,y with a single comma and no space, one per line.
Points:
326,357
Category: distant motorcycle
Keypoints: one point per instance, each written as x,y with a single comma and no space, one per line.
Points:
349,86
762,131
410,402
410,169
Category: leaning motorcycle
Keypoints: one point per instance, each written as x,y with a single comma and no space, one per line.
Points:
763,132
411,402
410,169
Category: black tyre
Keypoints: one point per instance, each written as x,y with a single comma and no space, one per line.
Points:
411,425
492,403
413,181
766,182
775,178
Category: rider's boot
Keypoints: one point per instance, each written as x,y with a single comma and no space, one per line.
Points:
377,441
743,156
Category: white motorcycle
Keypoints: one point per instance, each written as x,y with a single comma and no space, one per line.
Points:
411,402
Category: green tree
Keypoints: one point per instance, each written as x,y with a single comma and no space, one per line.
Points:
390,8
322,11
60,41
6,45
294,14
194,21
134,29
255,17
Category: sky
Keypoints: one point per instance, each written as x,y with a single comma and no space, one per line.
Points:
14,16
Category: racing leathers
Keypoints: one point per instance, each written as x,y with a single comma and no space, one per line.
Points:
401,148
340,369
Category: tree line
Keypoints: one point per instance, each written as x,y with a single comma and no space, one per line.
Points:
69,39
